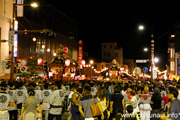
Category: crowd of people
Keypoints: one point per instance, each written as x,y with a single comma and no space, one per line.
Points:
114,100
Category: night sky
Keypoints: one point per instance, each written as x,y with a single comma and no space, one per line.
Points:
101,21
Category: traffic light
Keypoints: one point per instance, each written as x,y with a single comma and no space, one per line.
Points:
48,34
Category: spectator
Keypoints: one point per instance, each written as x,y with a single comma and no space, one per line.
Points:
144,105
4,102
116,102
174,109
12,107
103,100
86,101
56,102
45,94
133,100
75,104
130,115
156,102
30,107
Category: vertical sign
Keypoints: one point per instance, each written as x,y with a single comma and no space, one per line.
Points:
20,8
11,38
80,51
15,39
178,64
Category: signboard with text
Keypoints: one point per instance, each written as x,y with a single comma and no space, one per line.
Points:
20,8
80,51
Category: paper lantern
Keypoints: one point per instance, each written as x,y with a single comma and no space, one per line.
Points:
67,62
83,62
40,61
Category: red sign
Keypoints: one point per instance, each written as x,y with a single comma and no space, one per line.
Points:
80,51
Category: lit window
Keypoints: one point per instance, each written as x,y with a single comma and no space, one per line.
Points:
172,66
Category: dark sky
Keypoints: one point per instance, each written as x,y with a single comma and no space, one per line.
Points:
108,21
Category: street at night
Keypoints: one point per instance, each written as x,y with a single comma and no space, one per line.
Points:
89,60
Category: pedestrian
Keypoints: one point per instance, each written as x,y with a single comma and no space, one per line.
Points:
86,101
75,104
12,106
156,102
116,102
174,108
45,94
56,102
30,107
103,101
133,100
144,105
131,115
4,102
21,95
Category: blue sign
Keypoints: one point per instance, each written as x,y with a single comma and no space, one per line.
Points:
145,69
23,69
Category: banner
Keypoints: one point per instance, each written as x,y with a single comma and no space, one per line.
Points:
20,8
80,51
172,77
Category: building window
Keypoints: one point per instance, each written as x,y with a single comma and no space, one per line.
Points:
172,66
111,46
108,54
95,66
172,53
104,46
102,66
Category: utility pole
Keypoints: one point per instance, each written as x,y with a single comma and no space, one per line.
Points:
12,47
152,56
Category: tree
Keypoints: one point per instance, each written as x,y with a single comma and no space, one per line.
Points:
33,67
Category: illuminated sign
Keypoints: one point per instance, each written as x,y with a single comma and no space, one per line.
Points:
15,39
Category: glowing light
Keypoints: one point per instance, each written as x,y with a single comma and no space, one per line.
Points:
34,5
141,27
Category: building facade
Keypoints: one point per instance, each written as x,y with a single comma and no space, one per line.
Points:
6,14
57,28
111,51
131,65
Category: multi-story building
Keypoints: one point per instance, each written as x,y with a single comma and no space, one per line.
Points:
6,14
174,51
46,17
111,51
131,65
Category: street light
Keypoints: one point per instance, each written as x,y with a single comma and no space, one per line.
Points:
43,46
145,49
34,39
141,27
34,5
156,60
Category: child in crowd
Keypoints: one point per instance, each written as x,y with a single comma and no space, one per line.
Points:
130,115
119,112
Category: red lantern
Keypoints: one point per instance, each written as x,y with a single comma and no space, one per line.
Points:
67,62
83,62
40,61
66,50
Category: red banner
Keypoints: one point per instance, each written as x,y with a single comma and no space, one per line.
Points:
80,51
